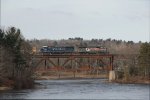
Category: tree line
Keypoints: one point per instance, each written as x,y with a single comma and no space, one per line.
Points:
15,60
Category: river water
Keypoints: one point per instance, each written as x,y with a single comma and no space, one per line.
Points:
80,89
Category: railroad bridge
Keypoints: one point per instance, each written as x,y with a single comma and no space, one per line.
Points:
76,62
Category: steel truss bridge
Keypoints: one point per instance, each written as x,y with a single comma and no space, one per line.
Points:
76,61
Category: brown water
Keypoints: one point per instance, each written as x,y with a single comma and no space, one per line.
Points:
80,89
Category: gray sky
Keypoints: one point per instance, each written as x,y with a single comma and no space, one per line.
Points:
61,19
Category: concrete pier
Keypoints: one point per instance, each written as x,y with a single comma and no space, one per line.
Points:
112,76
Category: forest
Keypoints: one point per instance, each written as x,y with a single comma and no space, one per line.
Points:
17,68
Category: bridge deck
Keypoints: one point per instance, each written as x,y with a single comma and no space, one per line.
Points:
74,55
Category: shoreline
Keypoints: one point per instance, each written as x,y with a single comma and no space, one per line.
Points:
131,81
5,88
71,78
120,81
47,77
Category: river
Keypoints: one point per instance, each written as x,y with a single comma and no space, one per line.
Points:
80,89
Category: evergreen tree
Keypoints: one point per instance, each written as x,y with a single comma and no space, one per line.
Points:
16,63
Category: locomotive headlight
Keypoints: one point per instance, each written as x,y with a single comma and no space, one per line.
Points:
87,49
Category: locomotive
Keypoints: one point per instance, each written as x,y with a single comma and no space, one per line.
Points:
57,50
93,50
71,49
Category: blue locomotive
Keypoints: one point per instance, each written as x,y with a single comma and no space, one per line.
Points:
57,50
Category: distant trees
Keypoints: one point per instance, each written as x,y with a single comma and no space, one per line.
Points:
76,38
15,58
55,43
130,43
141,67
144,59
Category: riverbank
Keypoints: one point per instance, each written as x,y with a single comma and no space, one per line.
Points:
84,75
69,75
3,88
6,84
133,80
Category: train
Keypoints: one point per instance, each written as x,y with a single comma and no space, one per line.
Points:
72,49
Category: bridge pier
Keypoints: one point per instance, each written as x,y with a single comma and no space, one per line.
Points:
112,75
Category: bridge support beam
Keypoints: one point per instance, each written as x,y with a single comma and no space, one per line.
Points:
58,67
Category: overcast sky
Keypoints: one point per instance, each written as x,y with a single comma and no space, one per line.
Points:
62,19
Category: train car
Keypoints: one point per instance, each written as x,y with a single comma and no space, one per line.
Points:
57,50
61,50
92,50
